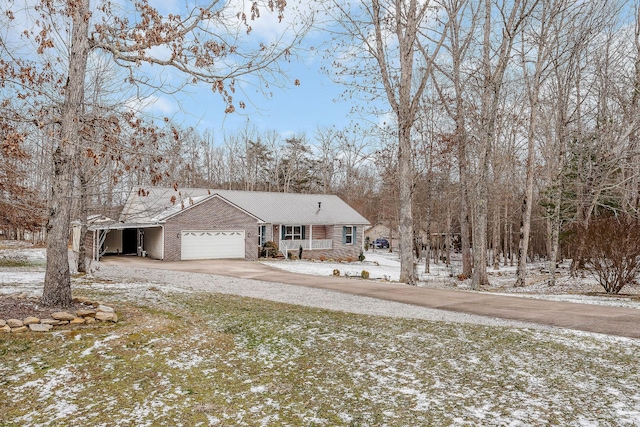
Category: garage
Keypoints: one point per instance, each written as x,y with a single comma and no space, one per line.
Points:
212,244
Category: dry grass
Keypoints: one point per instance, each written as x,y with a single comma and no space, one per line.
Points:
207,359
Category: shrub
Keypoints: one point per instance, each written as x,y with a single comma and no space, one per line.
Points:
322,258
336,272
364,274
361,257
269,250
611,250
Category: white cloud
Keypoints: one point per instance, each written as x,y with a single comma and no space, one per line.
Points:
155,104
268,27
387,120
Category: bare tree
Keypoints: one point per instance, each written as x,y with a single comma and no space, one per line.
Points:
207,46
539,41
493,66
398,42
326,152
458,43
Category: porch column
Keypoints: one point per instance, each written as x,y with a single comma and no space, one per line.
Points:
310,236
285,252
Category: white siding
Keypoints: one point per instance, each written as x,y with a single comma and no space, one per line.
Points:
113,242
153,242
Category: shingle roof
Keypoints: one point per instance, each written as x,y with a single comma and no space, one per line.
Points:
275,208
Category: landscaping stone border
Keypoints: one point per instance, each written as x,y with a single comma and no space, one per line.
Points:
95,312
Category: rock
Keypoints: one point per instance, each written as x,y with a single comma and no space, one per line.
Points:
30,321
40,327
77,321
5,329
14,323
104,316
82,300
20,329
86,313
53,322
62,315
106,309
3,323
89,320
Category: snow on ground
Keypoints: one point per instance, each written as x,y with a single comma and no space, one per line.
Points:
399,374
383,265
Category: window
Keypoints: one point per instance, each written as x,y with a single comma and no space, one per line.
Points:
348,235
293,232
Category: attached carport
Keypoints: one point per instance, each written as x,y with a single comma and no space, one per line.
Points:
120,239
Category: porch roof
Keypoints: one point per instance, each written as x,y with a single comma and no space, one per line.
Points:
120,226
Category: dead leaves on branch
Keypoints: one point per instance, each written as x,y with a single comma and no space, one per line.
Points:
19,205
202,44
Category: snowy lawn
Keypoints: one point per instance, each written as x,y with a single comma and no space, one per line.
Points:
185,358
206,359
383,265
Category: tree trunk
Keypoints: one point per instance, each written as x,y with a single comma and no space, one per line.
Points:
496,237
555,238
57,282
465,238
405,163
527,201
505,245
479,276
82,251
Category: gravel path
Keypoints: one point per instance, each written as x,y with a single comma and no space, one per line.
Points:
298,295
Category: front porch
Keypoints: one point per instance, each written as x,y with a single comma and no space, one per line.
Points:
310,237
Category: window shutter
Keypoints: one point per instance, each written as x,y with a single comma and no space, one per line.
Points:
282,229
344,235
355,234
304,229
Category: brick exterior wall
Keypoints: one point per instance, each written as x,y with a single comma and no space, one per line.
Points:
320,232
214,214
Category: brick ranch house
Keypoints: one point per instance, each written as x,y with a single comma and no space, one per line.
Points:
195,223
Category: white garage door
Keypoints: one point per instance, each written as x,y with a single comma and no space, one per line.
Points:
212,244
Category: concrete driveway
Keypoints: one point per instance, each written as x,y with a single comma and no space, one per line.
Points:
584,317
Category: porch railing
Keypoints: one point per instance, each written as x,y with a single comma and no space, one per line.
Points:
307,245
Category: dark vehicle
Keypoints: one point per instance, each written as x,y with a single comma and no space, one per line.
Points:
381,243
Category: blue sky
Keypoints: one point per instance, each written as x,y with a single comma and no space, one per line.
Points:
288,110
